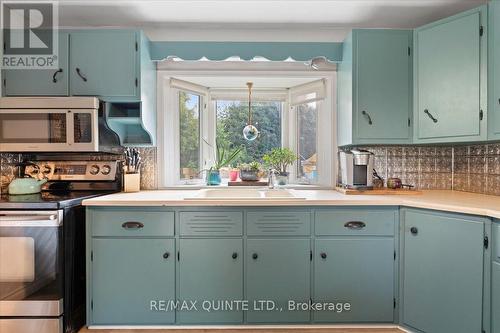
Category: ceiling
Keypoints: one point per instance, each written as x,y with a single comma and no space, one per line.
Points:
258,14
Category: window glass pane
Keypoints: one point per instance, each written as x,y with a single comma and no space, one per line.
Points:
189,120
232,117
307,129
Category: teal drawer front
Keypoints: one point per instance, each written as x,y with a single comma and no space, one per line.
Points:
132,223
496,240
278,223
355,222
211,223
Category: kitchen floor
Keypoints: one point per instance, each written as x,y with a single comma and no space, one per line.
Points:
251,330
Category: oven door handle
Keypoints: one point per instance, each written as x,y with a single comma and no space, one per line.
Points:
30,220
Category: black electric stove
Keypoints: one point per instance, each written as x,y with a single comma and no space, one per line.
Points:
46,231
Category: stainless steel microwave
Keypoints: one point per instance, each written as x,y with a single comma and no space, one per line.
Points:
54,124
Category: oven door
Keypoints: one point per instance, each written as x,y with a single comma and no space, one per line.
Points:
50,130
31,263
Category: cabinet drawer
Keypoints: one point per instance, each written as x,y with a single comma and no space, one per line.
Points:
132,223
346,222
496,241
278,223
211,223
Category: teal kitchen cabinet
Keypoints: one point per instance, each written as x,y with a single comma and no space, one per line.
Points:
357,271
442,271
210,270
130,276
38,82
375,88
104,63
450,79
493,70
495,279
277,271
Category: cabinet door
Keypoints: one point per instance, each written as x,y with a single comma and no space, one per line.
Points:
103,63
494,70
442,272
40,82
277,270
358,271
383,79
211,270
495,306
129,278
448,78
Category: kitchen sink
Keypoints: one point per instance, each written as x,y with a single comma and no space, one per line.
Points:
241,194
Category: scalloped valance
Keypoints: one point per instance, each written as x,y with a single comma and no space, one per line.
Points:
274,51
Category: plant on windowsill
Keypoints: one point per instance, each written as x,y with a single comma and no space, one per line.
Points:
249,171
279,159
223,158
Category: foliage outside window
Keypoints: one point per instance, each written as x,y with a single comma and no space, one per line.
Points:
189,134
307,134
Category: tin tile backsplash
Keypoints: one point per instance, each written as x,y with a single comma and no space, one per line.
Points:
473,168
148,168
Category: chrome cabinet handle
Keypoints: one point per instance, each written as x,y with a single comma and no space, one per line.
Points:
132,225
364,113
81,75
430,116
355,225
54,79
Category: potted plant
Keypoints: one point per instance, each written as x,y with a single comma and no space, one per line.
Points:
279,159
223,157
250,171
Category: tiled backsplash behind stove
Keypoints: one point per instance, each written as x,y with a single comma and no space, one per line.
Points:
148,168
473,168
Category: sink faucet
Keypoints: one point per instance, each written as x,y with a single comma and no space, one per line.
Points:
270,179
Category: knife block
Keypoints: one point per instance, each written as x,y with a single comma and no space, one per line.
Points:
131,182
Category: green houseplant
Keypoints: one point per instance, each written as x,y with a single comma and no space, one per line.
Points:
249,171
279,159
223,158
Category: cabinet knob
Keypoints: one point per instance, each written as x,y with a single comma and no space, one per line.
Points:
323,255
166,255
255,256
235,255
414,230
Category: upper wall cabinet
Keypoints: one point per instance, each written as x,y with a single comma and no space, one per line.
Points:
494,70
37,82
450,79
375,87
104,64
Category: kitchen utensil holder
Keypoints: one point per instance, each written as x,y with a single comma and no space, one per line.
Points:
131,182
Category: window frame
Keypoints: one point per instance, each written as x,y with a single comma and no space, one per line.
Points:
168,161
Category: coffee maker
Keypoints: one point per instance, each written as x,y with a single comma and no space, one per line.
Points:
356,168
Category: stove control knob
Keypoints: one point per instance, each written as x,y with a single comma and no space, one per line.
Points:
106,169
46,169
94,170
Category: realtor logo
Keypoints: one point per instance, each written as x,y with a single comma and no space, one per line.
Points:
29,34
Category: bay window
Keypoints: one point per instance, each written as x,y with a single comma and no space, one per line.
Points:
194,117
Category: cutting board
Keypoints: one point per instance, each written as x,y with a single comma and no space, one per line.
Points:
378,191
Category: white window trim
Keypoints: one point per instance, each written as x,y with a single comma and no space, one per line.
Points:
168,161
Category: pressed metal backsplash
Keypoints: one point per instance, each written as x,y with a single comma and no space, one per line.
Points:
148,169
473,168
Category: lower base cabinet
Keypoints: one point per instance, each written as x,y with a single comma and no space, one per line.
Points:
495,306
211,274
359,272
277,270
442,272
128,277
